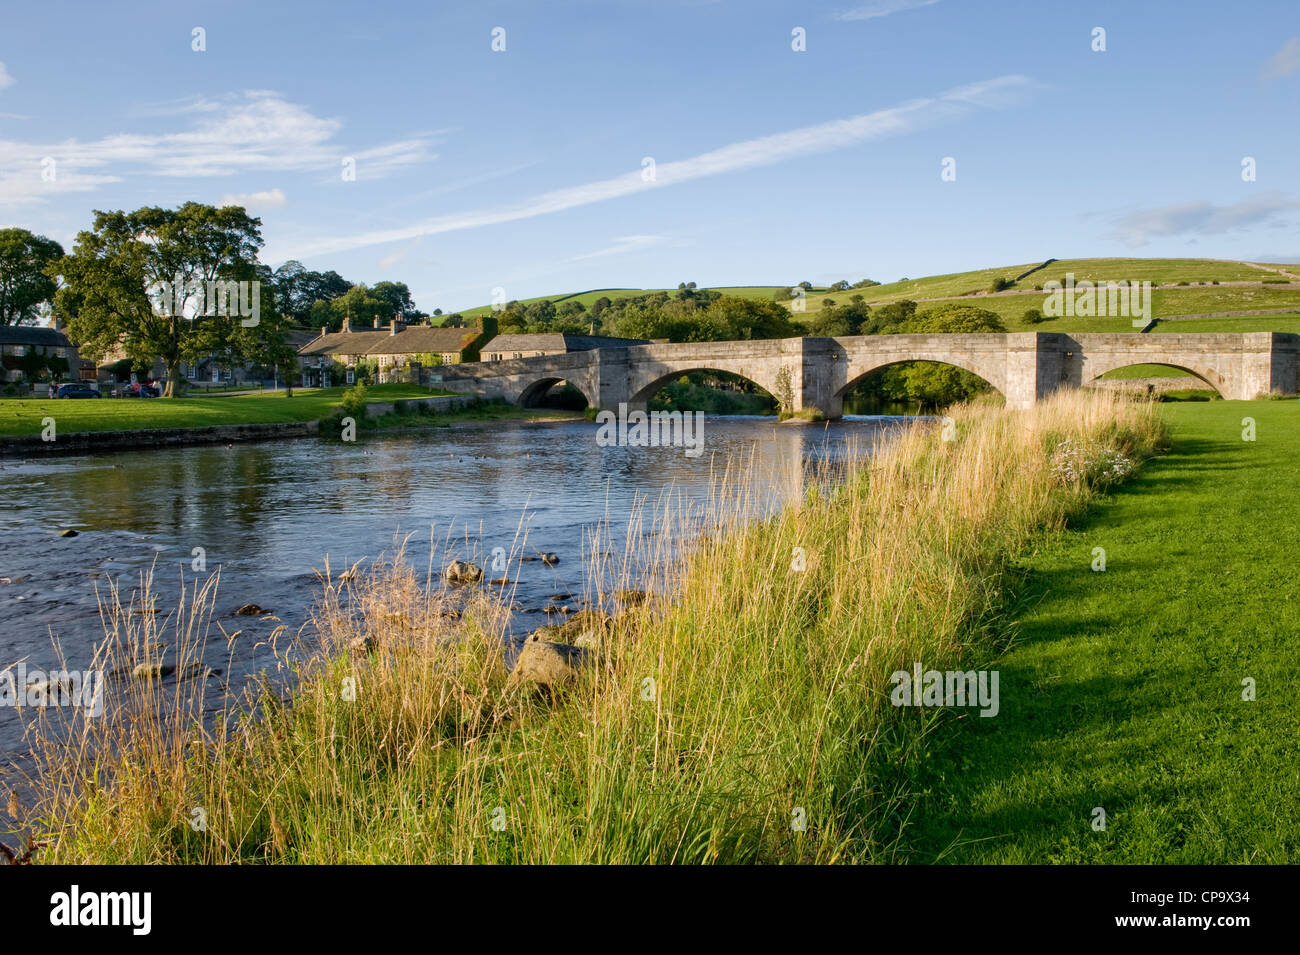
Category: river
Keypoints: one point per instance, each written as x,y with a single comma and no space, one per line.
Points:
267,516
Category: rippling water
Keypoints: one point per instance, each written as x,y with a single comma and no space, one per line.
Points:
267,515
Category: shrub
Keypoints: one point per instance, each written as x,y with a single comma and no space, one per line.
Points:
1033,317
1000,283
354,401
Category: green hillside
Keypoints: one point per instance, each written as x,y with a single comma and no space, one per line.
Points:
1180,287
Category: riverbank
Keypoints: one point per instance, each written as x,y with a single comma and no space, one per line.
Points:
26,417
747,719
387,417
1126,689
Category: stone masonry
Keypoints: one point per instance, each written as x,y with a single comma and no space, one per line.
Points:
1023,366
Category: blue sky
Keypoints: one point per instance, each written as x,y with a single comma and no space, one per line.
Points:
523,169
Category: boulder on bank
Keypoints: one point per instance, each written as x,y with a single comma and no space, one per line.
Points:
631,598
586,630
462,572
546,665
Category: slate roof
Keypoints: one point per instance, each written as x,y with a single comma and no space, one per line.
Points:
422,339
33,335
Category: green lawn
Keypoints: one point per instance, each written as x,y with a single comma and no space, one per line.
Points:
1123,689
23,416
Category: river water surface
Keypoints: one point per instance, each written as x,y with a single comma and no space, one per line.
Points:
267,515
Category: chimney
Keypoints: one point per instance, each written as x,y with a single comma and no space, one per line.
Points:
347,323
324,330
376,321
394,327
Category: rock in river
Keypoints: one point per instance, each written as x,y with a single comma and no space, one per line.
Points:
463,572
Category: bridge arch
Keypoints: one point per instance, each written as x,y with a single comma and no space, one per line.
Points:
858,372
646,385
531,394
1203,374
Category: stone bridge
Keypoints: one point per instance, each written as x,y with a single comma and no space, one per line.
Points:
1023,366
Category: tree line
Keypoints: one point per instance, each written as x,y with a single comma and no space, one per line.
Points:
143,282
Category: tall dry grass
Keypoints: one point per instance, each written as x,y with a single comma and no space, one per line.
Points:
753,696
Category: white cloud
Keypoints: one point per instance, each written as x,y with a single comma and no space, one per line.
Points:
1285,61
266,199
5,79
882,8
1201,217
625,243
763,151
257,131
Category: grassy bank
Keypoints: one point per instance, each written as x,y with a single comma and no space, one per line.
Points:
23,416
1124,688
744,718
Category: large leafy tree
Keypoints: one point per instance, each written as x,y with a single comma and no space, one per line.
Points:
24,282
398,296
298,289
114,265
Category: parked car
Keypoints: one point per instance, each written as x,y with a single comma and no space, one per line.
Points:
75,390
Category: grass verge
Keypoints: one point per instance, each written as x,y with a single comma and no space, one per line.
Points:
1124,689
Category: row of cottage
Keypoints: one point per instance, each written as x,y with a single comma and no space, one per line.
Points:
400,352
397,352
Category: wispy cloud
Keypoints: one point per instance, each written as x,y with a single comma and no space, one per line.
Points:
881,8
266,199
763,151
256,131
1285,61
625,243
6,80
1201,217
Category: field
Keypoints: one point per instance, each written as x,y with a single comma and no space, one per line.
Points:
23,416
1156,271
1123,689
